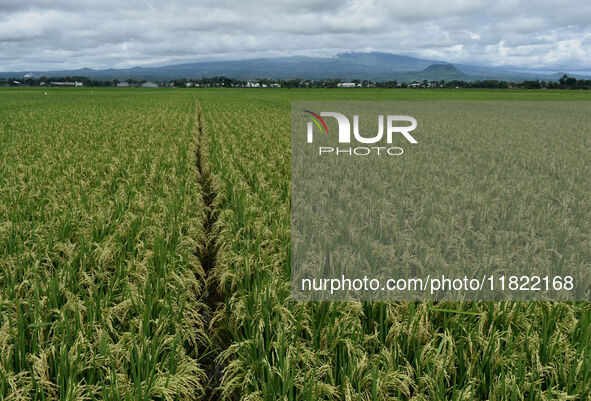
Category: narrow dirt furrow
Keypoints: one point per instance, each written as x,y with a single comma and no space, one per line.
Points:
207,255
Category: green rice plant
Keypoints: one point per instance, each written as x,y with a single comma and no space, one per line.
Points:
280,349
100,219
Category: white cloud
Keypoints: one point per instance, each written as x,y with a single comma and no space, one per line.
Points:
55,34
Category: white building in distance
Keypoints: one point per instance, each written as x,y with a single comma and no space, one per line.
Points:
67,83
348,85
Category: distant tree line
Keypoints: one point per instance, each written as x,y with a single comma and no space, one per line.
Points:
47,80
565,82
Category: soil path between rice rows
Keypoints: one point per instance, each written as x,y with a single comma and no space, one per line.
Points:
207,255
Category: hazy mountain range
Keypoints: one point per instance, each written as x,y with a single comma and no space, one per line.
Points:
346,66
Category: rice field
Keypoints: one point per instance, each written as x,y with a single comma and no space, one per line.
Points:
100,219
145,255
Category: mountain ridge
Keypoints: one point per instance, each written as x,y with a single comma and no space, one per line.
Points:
377,66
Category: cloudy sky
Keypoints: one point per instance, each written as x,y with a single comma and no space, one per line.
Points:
64,34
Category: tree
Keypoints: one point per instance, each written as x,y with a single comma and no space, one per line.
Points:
570,82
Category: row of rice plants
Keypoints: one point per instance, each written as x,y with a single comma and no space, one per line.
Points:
100,219
280,349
